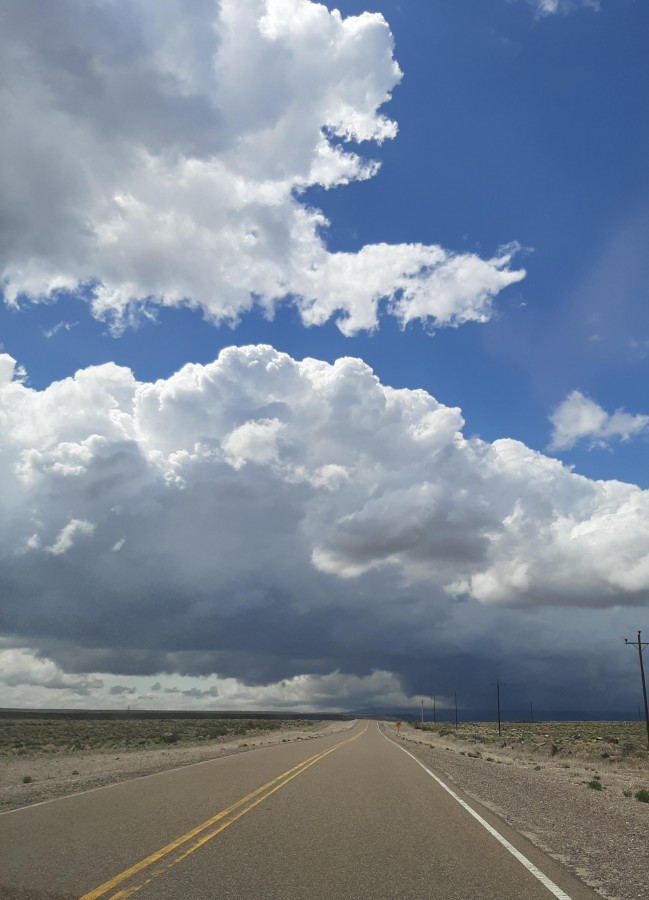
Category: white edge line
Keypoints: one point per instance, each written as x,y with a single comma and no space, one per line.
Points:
104,787
531,868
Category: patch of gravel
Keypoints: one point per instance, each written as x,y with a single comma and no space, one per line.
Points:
601,836
61,774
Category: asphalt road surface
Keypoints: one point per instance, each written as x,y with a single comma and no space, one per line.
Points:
350,815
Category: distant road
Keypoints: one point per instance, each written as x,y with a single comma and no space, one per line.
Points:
349,815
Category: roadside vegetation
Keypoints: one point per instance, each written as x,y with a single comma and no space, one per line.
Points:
611,753
607,743
29,737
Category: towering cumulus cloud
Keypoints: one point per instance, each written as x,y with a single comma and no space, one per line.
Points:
261,518
158,153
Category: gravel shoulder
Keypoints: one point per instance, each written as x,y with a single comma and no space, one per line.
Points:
600,835
64,773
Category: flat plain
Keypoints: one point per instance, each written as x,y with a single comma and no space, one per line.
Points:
46,757
345,815
612,744
569,787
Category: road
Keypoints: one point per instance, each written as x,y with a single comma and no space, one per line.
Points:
348,815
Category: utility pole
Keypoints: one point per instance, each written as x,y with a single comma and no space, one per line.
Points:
641,647
422,710
455,695
498,683
434,710
531,711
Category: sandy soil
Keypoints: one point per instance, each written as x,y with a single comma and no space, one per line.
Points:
602,836
60,774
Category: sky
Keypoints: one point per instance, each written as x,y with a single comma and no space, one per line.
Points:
324,340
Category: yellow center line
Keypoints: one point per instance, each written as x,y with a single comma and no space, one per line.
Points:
231,813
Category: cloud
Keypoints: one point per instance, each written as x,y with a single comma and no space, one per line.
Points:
279,519
19,666
65,540
579,418
188,140
60,326
118,690
550,7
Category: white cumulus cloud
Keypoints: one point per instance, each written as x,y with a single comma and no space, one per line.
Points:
579,418
187,138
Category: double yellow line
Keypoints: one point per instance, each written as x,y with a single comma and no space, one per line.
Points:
193,840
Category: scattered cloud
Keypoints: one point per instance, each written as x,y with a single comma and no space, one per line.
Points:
279,519
19,667
578,418
118,690
60,326
190,139
550,7
65,540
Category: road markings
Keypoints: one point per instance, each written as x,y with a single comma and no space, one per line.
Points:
531,868
169,855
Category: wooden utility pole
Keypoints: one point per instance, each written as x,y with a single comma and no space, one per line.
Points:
498,683
641,647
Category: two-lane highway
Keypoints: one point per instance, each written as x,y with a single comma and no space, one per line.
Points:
349,815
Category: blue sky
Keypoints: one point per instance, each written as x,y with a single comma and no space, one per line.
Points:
521,145
511,128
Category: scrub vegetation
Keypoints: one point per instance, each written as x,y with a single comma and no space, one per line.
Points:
28,737
606,743
613,748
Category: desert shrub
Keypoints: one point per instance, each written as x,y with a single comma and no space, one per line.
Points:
642,795
595,784
27,779
628,793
